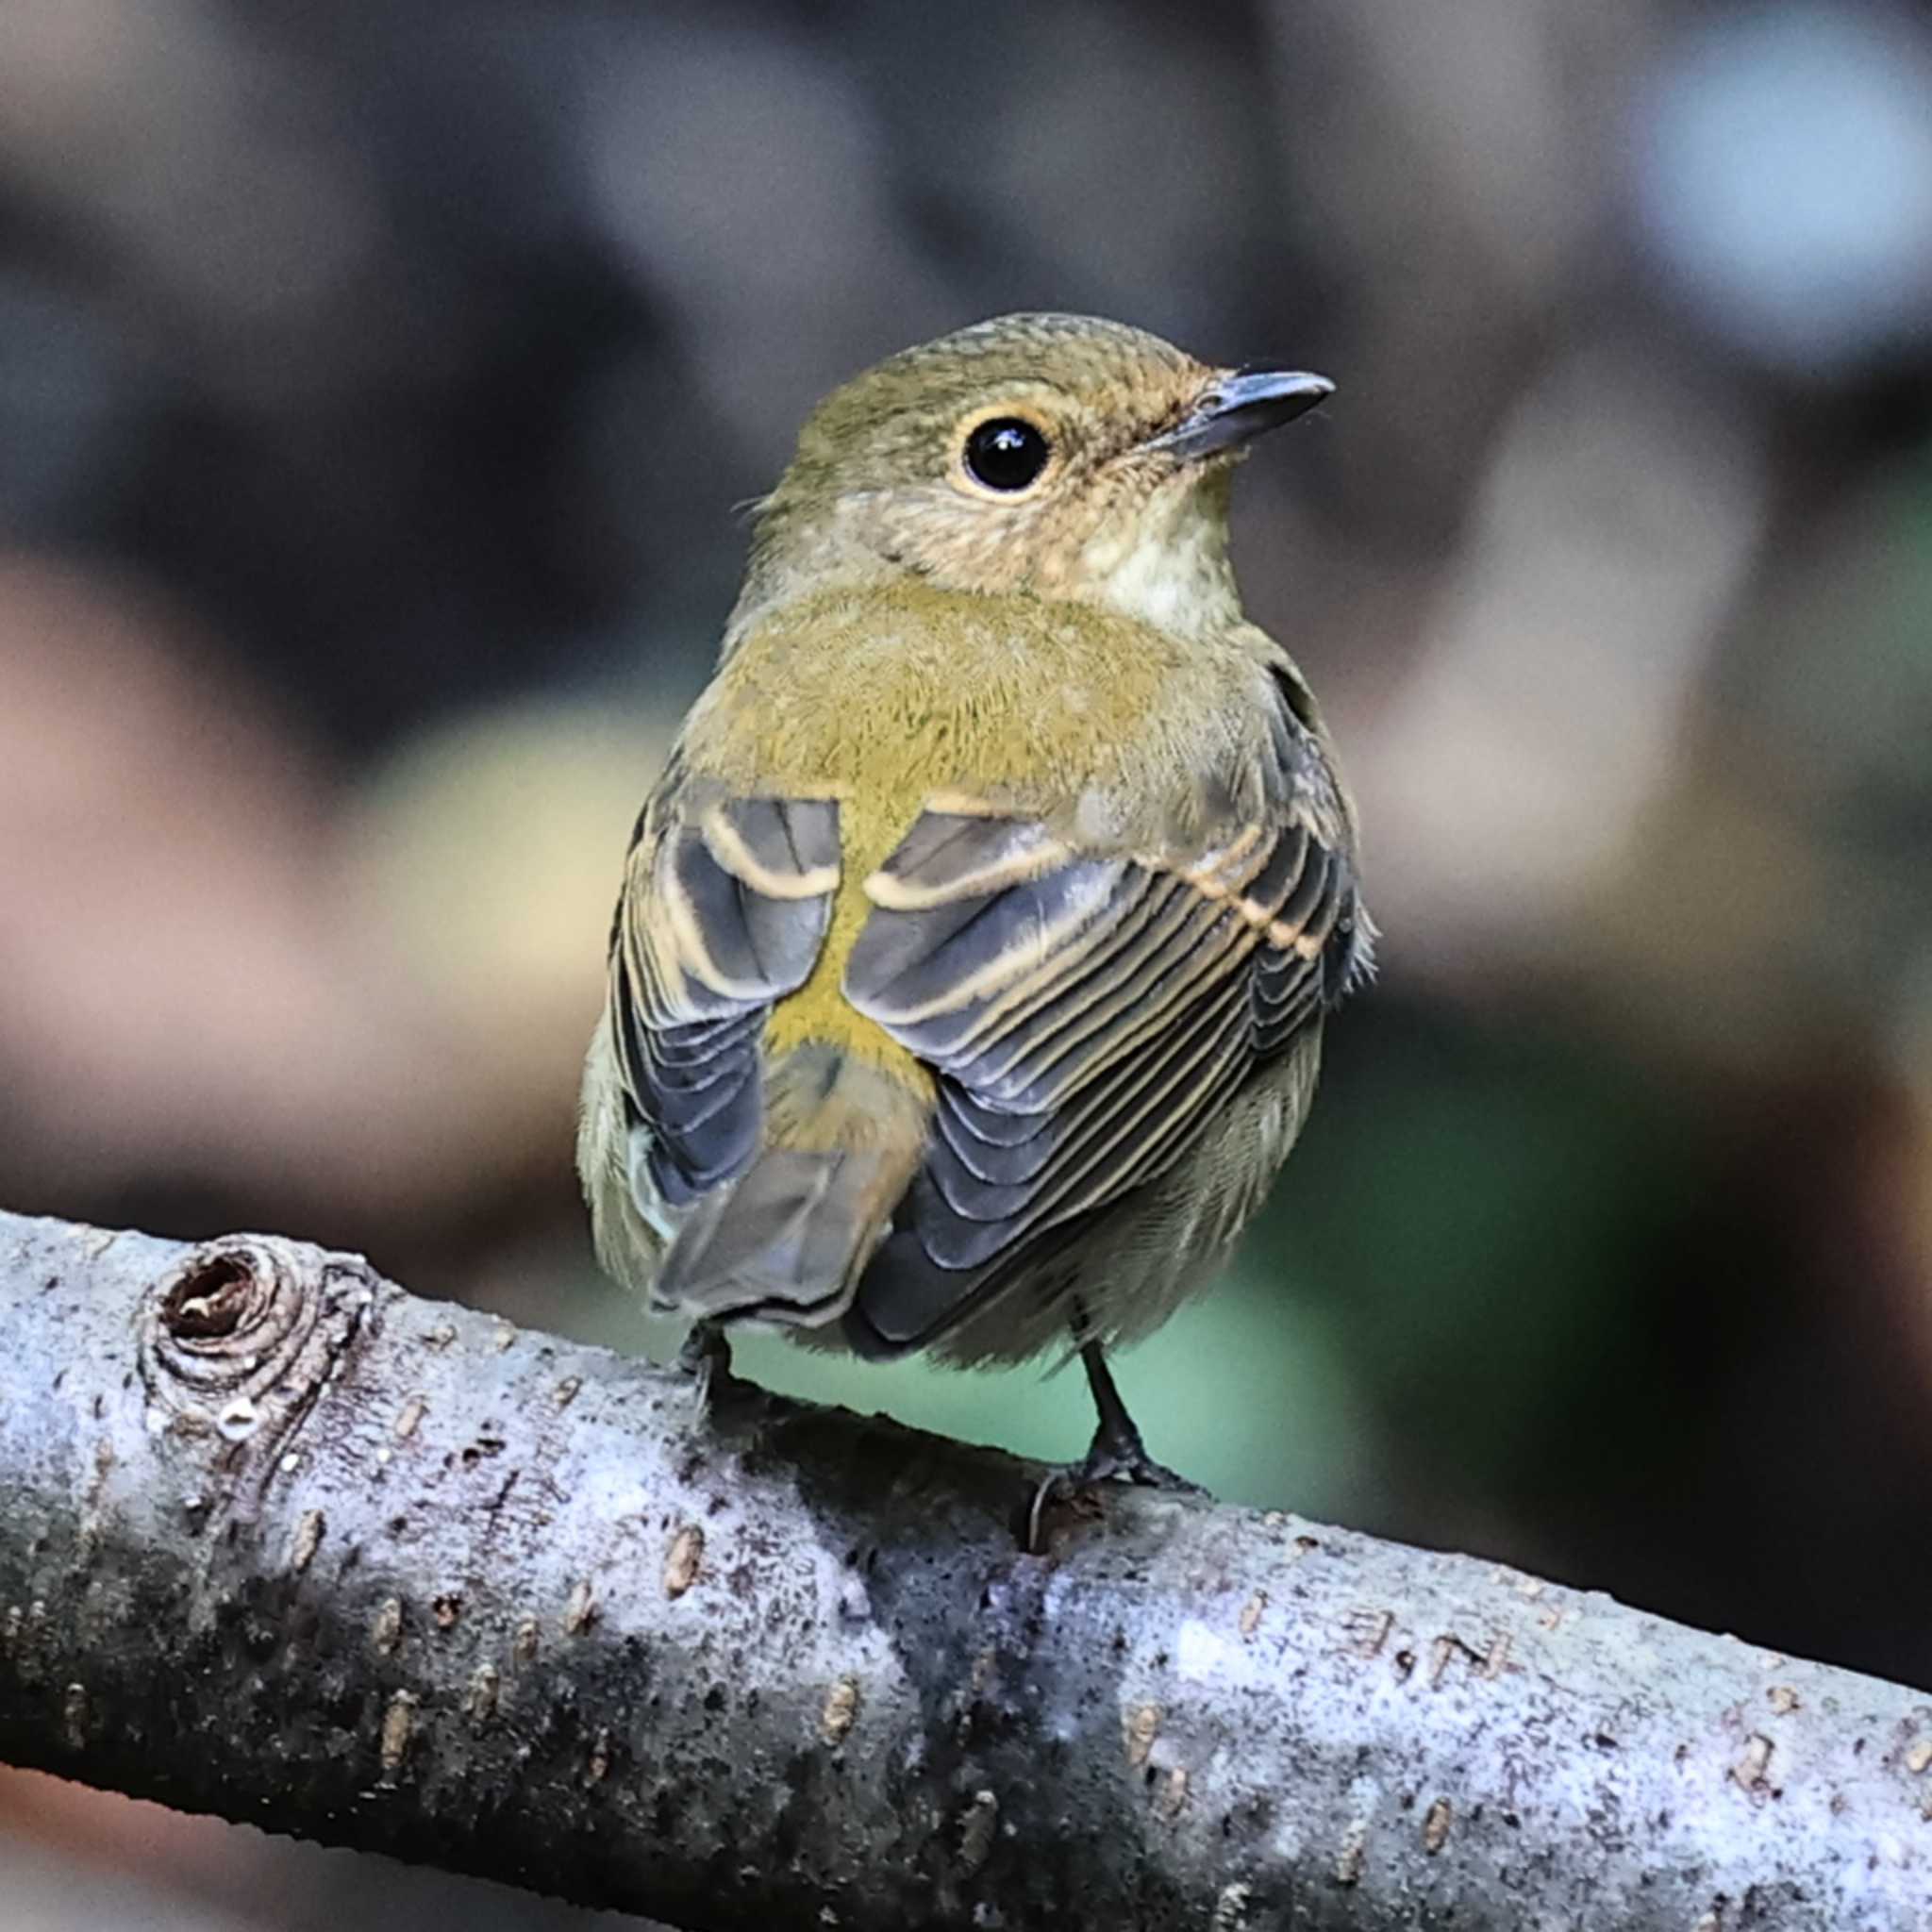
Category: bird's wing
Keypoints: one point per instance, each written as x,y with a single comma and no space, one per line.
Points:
1087,1015
725,910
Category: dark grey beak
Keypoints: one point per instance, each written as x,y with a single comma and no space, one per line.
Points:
1240,407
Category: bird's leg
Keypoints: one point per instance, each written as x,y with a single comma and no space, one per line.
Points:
705,1355
1117,1451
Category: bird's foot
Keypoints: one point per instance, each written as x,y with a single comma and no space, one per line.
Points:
1117,1456
705,1359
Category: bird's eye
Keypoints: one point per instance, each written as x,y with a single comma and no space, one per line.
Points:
1006,452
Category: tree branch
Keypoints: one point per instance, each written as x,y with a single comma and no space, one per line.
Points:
282,1541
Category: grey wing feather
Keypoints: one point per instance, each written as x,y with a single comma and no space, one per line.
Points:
1086,1017
724,911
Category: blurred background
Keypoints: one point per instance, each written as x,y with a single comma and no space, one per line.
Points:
376,386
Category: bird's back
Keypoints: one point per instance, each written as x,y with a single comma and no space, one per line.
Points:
967,747
929,698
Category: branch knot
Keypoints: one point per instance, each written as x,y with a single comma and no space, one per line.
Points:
241,1336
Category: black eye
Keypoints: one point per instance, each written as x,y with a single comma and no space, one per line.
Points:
1006,452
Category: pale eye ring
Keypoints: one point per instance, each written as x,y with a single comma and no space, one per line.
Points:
1006,454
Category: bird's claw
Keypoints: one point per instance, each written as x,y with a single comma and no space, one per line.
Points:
1106,1461
705,1358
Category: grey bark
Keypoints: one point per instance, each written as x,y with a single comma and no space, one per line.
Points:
282,1541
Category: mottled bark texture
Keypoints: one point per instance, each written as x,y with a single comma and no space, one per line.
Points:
282,1541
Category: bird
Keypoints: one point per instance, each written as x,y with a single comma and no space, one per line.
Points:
967,981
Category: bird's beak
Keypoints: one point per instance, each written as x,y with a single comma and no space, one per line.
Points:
1237,405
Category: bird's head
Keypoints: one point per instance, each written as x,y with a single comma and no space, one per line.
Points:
1057,455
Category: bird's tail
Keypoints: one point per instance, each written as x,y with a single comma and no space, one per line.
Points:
788,1239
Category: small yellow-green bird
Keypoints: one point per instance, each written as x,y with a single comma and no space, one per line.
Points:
967,983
